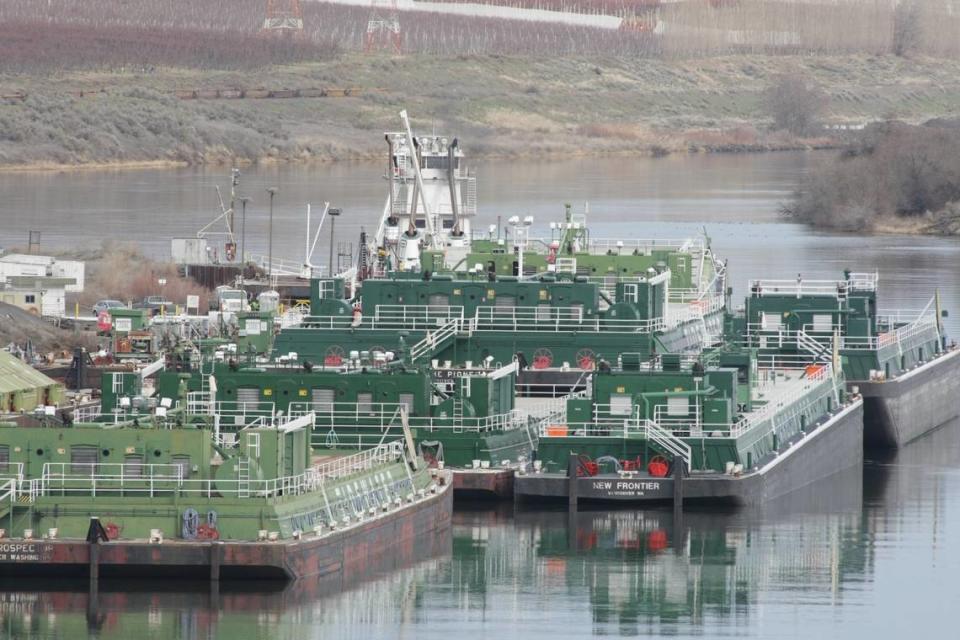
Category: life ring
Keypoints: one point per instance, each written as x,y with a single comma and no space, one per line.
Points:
542,358
658,467
207,532
112,530
334,356
586,359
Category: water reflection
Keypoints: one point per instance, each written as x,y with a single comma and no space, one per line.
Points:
520,574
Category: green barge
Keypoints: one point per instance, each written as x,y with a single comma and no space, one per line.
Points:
724,427
899,361
160,495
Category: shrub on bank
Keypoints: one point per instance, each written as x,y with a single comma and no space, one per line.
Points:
894,171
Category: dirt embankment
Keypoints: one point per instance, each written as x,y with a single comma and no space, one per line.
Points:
19,327
504,106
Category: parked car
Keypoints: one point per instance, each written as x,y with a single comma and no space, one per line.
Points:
154,304
106,305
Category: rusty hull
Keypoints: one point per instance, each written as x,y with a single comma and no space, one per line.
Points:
345,551
495,483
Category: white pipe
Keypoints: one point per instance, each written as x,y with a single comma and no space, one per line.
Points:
306,245
416,171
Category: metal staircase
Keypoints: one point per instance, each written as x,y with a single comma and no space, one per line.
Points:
806,343
8,492
435,341
668,442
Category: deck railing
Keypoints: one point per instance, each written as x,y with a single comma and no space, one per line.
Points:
812,386
391,317
385,416
11,471
800,287
231,413
556,319
625,428
158,480
894,334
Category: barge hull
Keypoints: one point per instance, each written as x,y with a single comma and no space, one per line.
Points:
833,446
483,483
408,530
903,409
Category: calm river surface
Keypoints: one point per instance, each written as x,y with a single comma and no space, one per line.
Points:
864,555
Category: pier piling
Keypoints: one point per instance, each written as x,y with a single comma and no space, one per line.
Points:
573,462
679,471
216,550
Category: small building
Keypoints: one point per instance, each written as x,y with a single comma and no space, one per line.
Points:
22,264
39,295
23,388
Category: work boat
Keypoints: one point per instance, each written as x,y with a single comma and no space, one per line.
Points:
727,427
900,361
161,489
431,202
428,219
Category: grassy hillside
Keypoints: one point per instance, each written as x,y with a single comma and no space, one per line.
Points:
498,105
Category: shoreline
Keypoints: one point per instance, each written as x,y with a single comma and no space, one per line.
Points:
540,156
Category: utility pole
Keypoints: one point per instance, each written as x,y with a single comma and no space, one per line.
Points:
243,228
272,191
334,214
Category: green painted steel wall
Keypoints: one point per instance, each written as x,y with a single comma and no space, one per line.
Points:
283,386
473,293
35,447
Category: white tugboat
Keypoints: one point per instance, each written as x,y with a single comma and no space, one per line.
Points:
431,202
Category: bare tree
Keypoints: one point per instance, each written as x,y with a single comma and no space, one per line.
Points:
906,28
794,103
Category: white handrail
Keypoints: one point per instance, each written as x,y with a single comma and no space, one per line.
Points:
434,339
143,479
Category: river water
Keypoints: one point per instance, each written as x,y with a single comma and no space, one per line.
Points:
864,555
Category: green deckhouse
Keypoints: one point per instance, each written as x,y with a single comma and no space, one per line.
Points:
467,416
717,412
557,321
164,472
795,320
